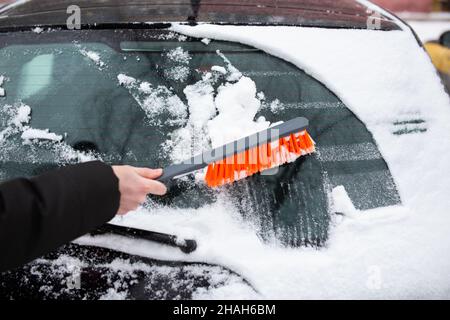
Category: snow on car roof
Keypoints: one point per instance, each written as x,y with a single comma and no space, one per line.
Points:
326,13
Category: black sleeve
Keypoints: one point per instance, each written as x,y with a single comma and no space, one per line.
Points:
40,214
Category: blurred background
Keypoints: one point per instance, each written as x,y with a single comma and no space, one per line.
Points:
423,6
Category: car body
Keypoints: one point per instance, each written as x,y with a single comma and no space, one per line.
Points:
122,89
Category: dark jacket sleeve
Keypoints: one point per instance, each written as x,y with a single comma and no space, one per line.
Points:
40,214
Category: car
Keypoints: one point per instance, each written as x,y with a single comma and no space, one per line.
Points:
130,85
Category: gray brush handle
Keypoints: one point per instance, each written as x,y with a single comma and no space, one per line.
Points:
179,170
263,137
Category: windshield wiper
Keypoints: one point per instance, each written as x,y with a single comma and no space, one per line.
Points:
185,245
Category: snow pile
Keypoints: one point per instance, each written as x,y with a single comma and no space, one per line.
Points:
38,134
342,204
125,80
217,116
237,106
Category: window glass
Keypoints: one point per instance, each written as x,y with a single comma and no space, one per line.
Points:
127,98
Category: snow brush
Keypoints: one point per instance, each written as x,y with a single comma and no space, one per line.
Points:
242,158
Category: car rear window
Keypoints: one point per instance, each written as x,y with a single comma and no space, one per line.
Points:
124,97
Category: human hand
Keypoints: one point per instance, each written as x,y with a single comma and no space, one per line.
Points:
135,184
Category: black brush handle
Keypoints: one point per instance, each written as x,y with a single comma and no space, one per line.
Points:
185,245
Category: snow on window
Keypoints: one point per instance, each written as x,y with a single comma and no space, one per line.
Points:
219,69
37,30
237,106
177,66
217,116
45,146
13,118
235,74
171,36
206,41
93,56
2,90
125,80
155,100
38,134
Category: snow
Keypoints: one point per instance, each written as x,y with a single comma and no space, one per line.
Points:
237,106
206,41
219,69
39,134
392,252
342,202
94,56
37,30
2,90
234,73
113,294
200,97
217,116
177,73
177,68
125,80
14,122
14,116
179,55
22,116
154,100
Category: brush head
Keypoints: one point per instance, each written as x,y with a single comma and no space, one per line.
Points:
258,159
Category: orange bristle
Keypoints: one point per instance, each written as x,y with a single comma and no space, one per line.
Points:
258,159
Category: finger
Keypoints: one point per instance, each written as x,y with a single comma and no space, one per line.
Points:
155,187
149,173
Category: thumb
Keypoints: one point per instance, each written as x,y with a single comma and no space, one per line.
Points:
149,173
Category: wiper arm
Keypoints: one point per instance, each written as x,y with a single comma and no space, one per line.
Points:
185,245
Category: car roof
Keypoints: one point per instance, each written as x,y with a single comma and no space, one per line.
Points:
312,13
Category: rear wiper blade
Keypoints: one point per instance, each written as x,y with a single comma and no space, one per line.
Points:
185,245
